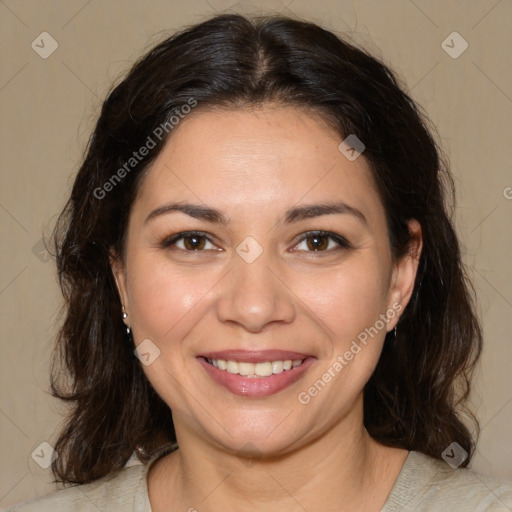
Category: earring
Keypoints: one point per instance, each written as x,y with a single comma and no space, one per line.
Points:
396,328
125,315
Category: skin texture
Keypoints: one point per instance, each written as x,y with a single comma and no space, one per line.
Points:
252,165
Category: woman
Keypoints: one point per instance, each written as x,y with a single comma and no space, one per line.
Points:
258,242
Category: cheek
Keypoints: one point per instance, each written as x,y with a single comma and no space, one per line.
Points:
347,299
166,302
349,303
166,305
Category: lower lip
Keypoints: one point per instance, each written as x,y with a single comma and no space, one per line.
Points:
256,386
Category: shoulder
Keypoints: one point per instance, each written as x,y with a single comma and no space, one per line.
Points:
426,484
122,490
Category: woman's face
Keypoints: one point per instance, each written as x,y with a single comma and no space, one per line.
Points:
252,284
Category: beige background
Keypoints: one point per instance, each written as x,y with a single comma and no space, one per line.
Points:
48,109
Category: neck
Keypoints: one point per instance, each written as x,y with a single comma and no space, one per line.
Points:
343,469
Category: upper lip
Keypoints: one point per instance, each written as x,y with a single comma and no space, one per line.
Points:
254,356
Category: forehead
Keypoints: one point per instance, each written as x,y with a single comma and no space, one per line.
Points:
249,159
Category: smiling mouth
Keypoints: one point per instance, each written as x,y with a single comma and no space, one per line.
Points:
255,370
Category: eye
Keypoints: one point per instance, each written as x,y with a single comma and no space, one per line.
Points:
315,241
320,241
193,241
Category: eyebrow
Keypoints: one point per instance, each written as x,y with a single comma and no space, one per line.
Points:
294,214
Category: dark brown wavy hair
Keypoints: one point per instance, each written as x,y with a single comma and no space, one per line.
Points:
417,397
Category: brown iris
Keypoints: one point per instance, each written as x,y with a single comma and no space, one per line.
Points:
316,244
197,242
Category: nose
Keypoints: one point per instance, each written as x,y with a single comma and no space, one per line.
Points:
255,295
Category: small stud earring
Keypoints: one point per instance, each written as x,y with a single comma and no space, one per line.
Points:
125,315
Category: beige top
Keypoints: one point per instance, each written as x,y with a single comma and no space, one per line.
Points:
423,485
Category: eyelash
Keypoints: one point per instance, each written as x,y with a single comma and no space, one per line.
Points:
341,241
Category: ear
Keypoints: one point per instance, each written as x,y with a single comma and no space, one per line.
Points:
118,271
404,273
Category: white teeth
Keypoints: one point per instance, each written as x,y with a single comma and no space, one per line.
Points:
263,369
277,366
245,368
232,367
